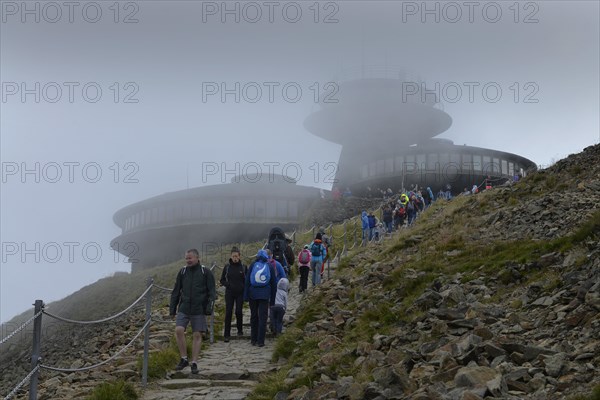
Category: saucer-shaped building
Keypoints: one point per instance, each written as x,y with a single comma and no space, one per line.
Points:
387,122
160,229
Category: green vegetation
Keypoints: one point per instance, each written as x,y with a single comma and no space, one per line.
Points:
119,390
594,395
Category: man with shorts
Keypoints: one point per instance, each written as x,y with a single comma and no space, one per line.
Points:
193,297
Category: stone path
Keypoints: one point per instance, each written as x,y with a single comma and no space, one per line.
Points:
226,370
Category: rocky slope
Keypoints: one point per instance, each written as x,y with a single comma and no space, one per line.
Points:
496,295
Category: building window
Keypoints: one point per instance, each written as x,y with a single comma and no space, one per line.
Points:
364,171
293,209
410,166
467,163
504,167
399,163
477,165
432,163
389,165
154,215
271,208
238,208
227,208
380,167
487,165
197,210
496,165
260,208
187,211
455,160
282,208
421,162
371,169
216,209
511,169
248,208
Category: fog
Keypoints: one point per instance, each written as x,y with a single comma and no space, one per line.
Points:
104,104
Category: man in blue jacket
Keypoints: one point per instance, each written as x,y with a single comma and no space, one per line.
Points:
192,299
260,290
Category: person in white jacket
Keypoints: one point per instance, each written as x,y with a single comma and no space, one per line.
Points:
278,310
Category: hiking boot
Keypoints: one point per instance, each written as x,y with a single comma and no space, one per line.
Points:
240,333
182,364
226,339
194,368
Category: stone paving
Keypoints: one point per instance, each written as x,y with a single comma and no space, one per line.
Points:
226,370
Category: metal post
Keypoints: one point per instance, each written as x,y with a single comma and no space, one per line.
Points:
329,256
147,333
35,351
345,235
212,315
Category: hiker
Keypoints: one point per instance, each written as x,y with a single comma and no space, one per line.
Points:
365,224
279,270
288,253
233,278
318,254
388,218
326,240
303,267
372,224
259,291
192,299
278,309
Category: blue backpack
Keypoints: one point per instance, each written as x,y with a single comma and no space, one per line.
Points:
261,274
315,250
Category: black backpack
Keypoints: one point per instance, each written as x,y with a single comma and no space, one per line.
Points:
277,245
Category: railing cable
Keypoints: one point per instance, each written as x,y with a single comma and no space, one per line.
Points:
104,319
118,353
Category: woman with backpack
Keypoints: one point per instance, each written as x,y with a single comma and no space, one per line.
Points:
233,278
318,252
303,267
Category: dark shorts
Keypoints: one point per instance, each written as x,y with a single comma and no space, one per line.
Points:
198,321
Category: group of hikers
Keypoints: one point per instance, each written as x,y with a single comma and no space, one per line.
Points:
264,284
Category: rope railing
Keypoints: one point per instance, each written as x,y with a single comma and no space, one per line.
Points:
118,353
16,388
71,321
32,376
310,230
19,329
163,288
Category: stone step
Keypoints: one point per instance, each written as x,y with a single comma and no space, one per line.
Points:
208,393
173,384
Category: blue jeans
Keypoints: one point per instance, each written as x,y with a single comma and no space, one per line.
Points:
315,265
389,226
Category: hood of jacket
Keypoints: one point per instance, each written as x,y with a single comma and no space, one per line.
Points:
283,284
262,256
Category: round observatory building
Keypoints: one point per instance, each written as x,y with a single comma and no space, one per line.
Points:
160,229
387,122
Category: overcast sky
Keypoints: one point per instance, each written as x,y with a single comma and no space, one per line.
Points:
106,105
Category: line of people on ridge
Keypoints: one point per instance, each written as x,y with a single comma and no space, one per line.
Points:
263,284
396,213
